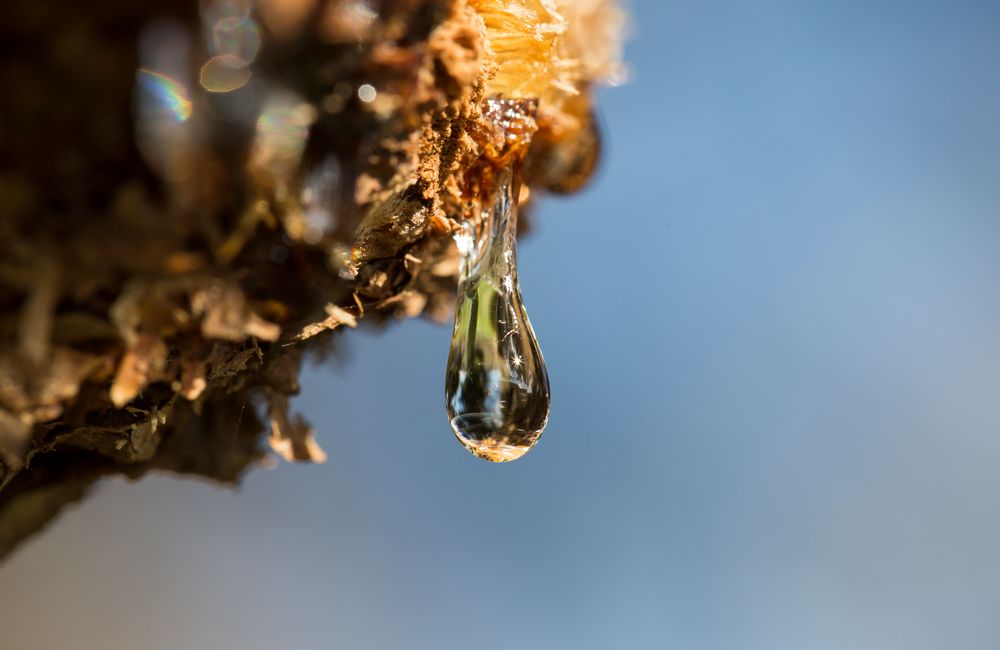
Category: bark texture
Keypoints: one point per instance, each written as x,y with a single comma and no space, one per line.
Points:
195,195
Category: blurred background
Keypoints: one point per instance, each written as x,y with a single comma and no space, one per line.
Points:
772,326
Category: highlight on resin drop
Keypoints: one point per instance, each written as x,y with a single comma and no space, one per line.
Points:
496,385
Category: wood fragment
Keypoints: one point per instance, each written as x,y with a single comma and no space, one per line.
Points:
335,317
291,436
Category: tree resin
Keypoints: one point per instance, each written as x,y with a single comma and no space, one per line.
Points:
496,384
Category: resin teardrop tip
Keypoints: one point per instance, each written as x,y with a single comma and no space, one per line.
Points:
477,433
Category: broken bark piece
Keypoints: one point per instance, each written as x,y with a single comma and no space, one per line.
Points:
143,361
14,434
171,246
335,317
292,437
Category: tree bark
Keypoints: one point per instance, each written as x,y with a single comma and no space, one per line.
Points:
195,195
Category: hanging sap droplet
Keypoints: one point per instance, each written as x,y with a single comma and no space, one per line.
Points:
496,384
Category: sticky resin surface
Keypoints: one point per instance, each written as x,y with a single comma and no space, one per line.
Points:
496,386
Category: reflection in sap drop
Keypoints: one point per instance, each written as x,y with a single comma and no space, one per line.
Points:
496,386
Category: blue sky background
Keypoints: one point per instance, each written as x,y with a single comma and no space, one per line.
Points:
773,334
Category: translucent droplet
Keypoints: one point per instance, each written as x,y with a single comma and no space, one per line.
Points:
496,386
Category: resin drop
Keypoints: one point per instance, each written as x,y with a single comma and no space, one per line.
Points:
496,384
